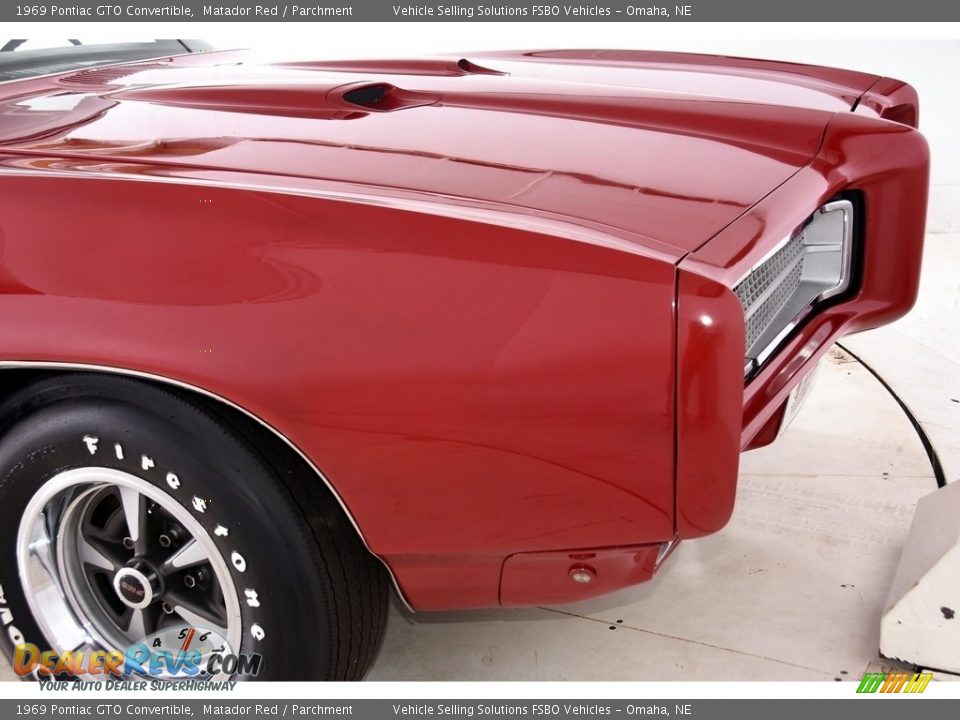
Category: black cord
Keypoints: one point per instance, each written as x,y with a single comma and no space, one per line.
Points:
921,433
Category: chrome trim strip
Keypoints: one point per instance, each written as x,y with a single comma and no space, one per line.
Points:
662,552
765,354
846,248
42,365
489,213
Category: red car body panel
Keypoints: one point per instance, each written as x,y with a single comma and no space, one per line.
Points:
889,163
489,299
625,169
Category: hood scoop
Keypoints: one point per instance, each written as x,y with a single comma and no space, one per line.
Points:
382,97
437,67
294,101
315,101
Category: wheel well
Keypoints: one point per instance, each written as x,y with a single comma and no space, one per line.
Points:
306,484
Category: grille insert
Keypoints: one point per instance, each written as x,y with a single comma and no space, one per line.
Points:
812,265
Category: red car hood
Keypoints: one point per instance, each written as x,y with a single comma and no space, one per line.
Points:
659,149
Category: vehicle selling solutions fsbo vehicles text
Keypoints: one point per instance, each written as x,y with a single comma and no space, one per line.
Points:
536,11
471,11
537,709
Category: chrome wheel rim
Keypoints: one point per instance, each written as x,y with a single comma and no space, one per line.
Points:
107,559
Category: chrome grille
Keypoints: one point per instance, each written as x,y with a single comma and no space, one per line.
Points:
811,265
767,289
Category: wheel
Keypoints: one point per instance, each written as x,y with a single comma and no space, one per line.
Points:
134,519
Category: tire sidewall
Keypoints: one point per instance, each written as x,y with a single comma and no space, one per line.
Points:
204,469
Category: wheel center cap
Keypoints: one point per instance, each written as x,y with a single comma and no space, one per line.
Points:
133,587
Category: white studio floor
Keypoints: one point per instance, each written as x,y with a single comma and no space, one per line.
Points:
793,587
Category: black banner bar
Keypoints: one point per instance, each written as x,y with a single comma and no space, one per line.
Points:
892,708
493,11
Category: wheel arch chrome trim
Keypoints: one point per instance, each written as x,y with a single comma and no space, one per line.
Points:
164,380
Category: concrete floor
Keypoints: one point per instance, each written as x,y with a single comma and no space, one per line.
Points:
919,356
793,587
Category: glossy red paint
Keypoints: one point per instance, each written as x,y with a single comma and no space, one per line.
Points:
886,165
629,151
784,84
489,298
710,342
